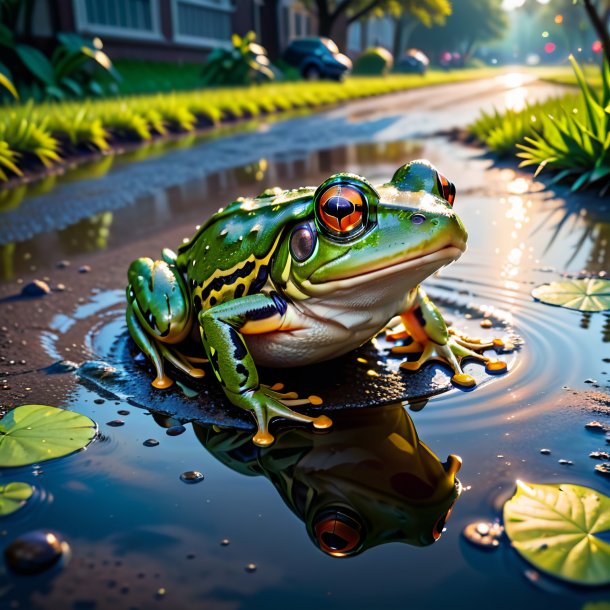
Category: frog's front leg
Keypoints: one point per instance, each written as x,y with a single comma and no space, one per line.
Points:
431,337
222,330
159,314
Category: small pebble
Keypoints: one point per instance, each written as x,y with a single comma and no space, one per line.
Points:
225,542
175,430
62,264
192,477
150,442
36,551
603,468
599,455
566,462
251,567
486,323
590,380
595,426
115,423
60,287
84,269
123,412
483,534
36,288
545,451
99,401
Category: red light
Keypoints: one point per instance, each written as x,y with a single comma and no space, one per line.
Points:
549,47
596,46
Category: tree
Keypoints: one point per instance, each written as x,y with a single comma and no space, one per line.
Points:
424,11
471,22
413,13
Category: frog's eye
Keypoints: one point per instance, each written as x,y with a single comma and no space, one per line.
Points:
342,209
339,534
302,242
446,188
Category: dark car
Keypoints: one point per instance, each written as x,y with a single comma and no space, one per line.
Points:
317,58
412,62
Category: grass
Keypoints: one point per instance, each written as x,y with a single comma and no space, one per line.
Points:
569,135
38,136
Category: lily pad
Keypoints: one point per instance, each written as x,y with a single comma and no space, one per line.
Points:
13,496
557,528
34,433
584,295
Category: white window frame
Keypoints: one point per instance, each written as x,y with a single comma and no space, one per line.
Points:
84,26
197,41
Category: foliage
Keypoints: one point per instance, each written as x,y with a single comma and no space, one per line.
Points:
35,433
245,63
13,496
138,76
375,61
469,24
557,527
50,132
576,143
590,294
71,71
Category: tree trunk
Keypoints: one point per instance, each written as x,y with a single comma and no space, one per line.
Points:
405,25
599,26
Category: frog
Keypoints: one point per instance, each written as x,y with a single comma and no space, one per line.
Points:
295,277
368,481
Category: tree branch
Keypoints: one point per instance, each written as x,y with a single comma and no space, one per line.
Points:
367,8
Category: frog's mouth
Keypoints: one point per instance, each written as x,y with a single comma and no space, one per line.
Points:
417,270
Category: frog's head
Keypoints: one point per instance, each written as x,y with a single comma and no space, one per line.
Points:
360,234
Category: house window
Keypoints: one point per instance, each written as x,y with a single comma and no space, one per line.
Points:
204,23
127,18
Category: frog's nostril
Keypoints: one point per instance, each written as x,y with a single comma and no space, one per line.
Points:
434,222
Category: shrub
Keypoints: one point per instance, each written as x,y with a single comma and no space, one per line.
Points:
375,61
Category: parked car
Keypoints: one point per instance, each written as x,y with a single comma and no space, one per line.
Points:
317,58
413,61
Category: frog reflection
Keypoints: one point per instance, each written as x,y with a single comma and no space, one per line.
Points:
367,482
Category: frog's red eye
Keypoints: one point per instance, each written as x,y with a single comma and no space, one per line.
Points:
342,209
446,188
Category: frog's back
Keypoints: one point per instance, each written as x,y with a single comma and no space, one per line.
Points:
229,256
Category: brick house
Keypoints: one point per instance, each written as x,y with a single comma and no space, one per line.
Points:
174,30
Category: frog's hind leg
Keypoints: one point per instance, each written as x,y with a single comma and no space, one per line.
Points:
159,314
148,347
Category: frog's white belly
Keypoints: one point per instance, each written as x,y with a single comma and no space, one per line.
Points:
322,329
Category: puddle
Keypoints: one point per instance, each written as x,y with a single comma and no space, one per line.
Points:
254,532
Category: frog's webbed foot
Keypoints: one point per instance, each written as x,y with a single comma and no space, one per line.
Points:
266,403
426,334
452,354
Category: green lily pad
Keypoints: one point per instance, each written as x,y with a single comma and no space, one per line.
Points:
13,496
585,295
34,433
554,527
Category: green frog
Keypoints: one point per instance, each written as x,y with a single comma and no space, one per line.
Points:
295,277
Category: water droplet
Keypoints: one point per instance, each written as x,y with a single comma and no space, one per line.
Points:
192,476
250,567
99,401
225,542
599,455
483,534
115,423
123,412
175,430
161,592
150,442
545,451
566,462
36,551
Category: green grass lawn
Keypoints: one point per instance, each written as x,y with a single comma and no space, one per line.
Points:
35,136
